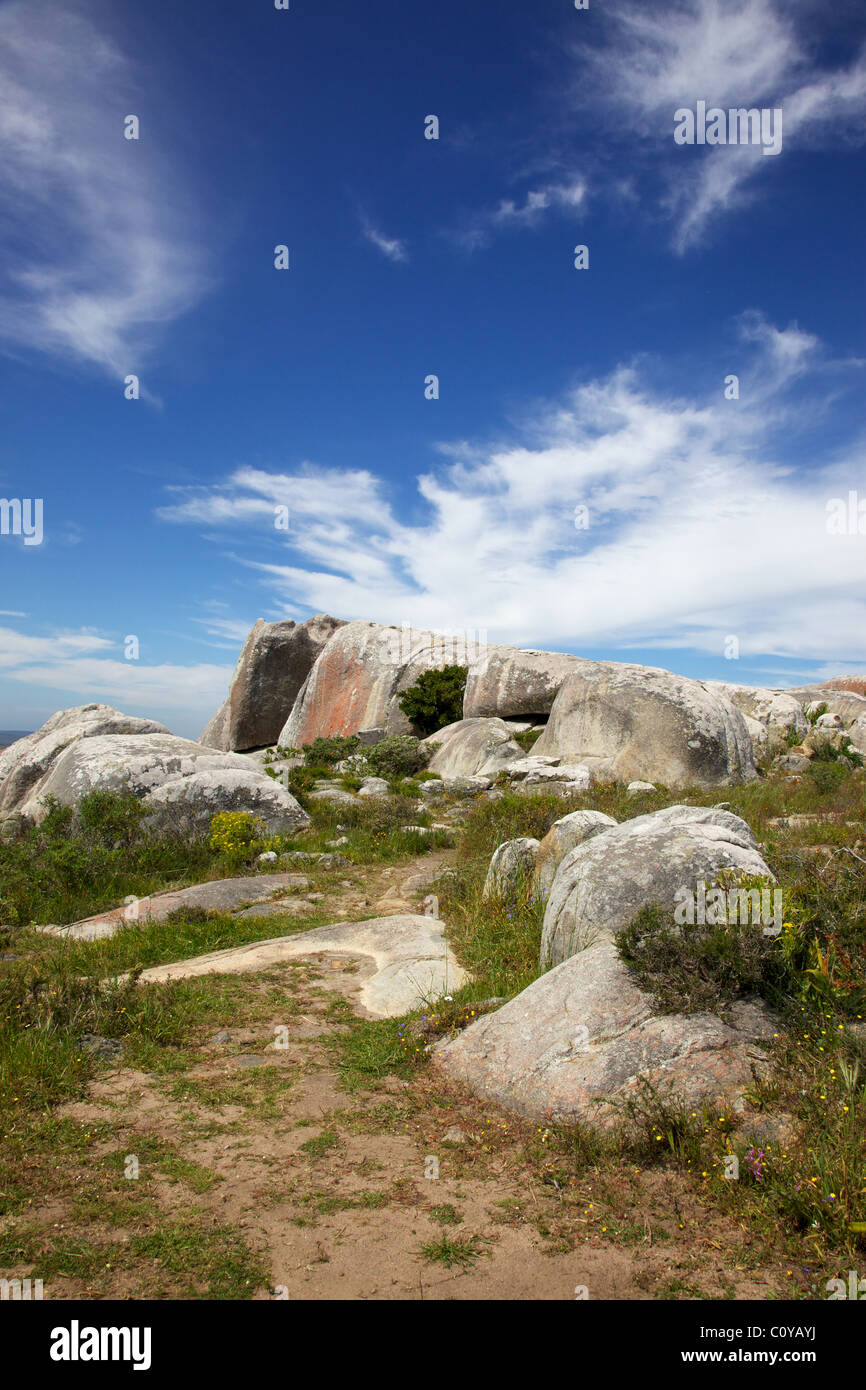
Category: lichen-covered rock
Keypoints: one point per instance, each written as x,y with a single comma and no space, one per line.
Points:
770,715
182,782
472,748
602,884
512,863
642,723
26,763
563,836
357,679
583,1040
509,683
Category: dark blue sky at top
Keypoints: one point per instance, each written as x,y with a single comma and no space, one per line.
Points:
306,128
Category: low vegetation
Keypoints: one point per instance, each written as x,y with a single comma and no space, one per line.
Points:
797,1147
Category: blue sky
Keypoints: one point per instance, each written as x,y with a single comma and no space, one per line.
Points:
305,388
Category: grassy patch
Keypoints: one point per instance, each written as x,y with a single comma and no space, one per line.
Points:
460,1251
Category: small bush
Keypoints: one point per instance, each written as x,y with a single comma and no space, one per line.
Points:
393,758
327,751
234,833
700,968
436,699
827,775
528,738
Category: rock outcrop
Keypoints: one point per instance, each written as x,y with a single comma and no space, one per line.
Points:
509,683
24,764
642,723
563,836
355,682
472,748
583,1040
770,715
183,783
856,684
512,863
603,883
410,962
273,665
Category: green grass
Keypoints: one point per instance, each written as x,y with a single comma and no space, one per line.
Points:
76,864
321,1143
460,1251
113,1223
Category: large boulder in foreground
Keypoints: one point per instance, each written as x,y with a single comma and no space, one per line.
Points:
509,683
583,1039
274,662
640,723
471,748
182,782
357,679
602,884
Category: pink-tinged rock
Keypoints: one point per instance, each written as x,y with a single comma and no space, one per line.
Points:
583,1039
356,680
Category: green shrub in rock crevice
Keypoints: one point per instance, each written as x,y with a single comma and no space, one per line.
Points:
436,699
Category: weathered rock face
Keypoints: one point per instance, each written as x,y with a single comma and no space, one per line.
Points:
24,764
602,884
856,684
509,683
645,724
273,665
511,864
218,895
356,680
472,747
849,704
769,715
583,1038
563,836
182,782
857,734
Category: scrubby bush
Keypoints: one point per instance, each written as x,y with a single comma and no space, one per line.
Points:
436,699
528,738
400,756
80,860
704,967
324,752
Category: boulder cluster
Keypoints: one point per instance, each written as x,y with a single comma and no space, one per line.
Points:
585,1036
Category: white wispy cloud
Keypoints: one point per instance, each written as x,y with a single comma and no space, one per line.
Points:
529,209
78,667
100,247
730,53
699,526
391,247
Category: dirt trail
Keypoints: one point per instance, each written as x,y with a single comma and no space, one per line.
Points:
340,1190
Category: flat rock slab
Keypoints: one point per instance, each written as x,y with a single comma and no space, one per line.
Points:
222,895
411,962
583,1039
